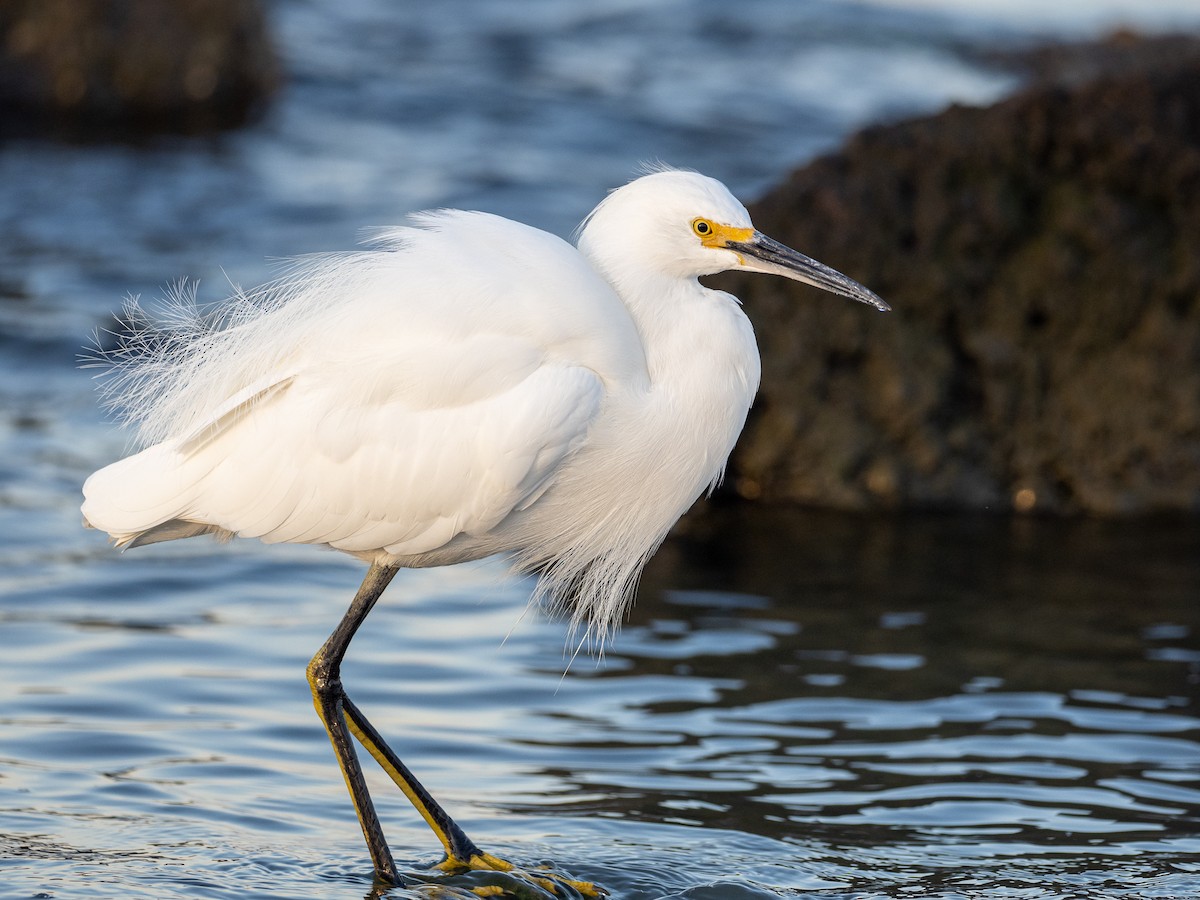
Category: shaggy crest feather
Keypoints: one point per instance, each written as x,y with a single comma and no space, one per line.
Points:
593,591
177,361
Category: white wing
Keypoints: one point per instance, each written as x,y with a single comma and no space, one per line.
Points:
314,466
394,401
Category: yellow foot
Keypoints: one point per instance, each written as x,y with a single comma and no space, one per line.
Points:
518,881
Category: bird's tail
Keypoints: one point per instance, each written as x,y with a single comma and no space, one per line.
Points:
143,499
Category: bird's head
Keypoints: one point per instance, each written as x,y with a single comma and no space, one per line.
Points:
684,224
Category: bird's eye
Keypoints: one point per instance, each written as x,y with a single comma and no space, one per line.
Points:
702,227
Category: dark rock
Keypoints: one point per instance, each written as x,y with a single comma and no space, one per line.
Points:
1072,65
110,68
1043,260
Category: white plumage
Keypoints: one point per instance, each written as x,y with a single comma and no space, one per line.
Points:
468,386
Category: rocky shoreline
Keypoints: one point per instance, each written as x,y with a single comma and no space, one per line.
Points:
97,69
1042,256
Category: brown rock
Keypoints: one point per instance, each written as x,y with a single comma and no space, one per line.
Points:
1043,260
112,67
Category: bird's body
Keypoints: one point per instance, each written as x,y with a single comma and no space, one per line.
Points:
470,386
473,386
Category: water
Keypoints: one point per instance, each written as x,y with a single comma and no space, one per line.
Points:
824,705
802,704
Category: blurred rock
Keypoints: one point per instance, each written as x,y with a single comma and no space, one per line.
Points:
112,68
1071,65
1043,259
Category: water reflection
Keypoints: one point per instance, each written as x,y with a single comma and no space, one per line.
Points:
960,689
802,702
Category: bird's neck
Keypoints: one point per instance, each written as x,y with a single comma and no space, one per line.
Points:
691,335
658,305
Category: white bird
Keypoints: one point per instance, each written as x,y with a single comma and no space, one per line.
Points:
470,386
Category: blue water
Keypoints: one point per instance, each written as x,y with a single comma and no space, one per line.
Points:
802,705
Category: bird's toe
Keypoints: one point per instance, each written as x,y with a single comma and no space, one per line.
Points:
501,878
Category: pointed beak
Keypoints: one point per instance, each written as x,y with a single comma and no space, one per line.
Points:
760,253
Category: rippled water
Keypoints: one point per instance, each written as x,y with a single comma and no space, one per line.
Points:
833,706
802,704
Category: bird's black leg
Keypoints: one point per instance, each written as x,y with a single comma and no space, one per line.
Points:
343,719
325,678
461,851
459,848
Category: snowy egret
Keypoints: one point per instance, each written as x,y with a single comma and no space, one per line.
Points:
469,386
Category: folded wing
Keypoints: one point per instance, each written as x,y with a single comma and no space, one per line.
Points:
353,459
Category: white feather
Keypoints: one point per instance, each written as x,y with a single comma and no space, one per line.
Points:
467,386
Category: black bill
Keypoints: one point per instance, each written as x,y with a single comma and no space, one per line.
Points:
776,258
